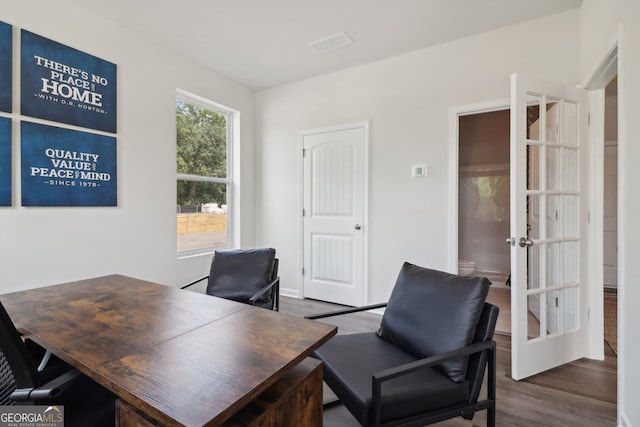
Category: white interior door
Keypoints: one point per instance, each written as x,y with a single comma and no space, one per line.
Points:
548,225
334,226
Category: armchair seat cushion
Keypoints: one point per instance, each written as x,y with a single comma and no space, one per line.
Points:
348,372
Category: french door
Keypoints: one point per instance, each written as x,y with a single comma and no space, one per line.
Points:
548,225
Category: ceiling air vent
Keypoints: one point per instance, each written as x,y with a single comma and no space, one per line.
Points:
331,43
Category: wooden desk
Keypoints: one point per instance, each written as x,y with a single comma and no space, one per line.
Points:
174,357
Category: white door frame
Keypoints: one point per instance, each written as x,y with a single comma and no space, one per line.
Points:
365,255
599,79
454,117
612,63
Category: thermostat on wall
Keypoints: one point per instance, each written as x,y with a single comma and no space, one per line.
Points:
418,170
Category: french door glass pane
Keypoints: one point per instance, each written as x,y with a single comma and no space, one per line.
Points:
533,267
533,216
553,312
554,174
570,217
570,169
570,124
553,118
553,217
533,316
533,165
533,117
570,262
553,264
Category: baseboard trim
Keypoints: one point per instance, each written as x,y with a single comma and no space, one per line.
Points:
624,421
291,293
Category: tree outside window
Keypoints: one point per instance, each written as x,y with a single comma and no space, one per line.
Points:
203,133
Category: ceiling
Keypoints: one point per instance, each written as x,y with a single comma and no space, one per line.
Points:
265,43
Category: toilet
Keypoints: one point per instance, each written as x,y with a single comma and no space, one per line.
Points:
466,267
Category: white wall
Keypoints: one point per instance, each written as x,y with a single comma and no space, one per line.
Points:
407,99
41,246
600,23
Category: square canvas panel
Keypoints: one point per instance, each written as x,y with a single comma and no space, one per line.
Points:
6,69
64,167
5,161
65,85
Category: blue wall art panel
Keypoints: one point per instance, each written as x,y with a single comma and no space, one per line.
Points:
5,161
6,69
63,167
65,85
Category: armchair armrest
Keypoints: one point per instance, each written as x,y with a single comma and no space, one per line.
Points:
264,290
37,352
47,391
346,311
194,282
44,361
430,361
377,378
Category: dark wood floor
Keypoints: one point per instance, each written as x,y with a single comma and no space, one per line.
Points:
582,393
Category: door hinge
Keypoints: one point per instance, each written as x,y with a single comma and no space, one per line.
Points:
303,271
304,152
303,212
589,119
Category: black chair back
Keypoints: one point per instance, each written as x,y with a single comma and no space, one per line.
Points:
7,382
427,361
275,290
240,273
478,361
86,403
18,369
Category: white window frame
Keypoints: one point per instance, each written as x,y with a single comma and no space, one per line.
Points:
232,125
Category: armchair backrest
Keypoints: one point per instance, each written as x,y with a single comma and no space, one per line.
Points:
478,361
275,291
16,364
431,312
239,273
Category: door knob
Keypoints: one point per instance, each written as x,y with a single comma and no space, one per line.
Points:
357,227
511,241
525,241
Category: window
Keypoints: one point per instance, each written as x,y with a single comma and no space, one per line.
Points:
203,156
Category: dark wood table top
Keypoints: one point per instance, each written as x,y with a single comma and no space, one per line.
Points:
182,357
